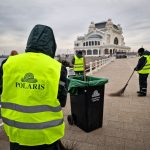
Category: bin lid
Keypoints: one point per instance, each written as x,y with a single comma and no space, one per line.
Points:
75,82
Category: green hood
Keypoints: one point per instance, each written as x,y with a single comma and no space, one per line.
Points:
41,40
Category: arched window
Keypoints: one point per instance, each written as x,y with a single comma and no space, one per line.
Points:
92,42
84,52
84,44
110,51
89,52
106,51
95,52
95,42
98,42
116,41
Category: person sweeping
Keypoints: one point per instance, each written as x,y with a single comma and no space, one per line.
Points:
143,69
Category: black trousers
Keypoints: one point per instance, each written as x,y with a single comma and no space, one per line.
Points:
143,83
54,146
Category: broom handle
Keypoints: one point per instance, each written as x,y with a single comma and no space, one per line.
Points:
84,66
130,77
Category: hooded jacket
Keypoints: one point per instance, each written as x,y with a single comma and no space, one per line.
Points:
42,40
142,61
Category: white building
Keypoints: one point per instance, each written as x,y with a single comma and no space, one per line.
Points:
104,38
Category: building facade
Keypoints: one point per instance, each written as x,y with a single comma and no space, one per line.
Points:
104,38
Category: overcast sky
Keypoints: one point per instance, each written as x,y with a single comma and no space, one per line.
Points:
71,18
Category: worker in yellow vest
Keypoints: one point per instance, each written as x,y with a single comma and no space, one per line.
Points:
33,92
78,63
143,69
12,53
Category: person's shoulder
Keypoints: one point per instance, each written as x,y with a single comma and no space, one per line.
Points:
146,52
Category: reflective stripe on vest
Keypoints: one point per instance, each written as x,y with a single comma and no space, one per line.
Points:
146,68
30,109
34,126
31,112
78,64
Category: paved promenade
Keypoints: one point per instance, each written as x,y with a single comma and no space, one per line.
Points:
126,123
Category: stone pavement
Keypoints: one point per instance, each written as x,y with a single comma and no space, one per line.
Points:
126,122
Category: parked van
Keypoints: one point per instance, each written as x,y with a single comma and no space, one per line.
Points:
121,55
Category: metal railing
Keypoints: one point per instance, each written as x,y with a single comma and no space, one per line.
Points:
93,66
98,64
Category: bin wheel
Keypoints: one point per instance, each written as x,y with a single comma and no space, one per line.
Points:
70,119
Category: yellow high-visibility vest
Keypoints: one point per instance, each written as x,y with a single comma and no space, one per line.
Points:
31,112
78,64
146,68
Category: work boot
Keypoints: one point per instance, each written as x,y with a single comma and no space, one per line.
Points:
141,94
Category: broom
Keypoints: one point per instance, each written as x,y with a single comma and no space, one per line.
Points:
84,72
121,91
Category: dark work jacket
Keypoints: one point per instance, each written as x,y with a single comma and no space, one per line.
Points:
142,61
1,75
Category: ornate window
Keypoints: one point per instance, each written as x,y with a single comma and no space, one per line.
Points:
95,42
86,43
89,52
92,42
116,41
84,52
106,51
95,52
110,51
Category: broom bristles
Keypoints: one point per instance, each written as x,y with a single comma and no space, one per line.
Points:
120,92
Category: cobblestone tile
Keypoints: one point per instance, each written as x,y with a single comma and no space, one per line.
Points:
95,139
117,147
134,145
86,146
147,146
130,135
145,136
113,141
113,132
115,124
131,126
4,145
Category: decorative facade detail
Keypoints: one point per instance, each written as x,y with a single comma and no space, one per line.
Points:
104,38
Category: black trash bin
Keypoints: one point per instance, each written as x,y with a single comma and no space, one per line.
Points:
87,100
